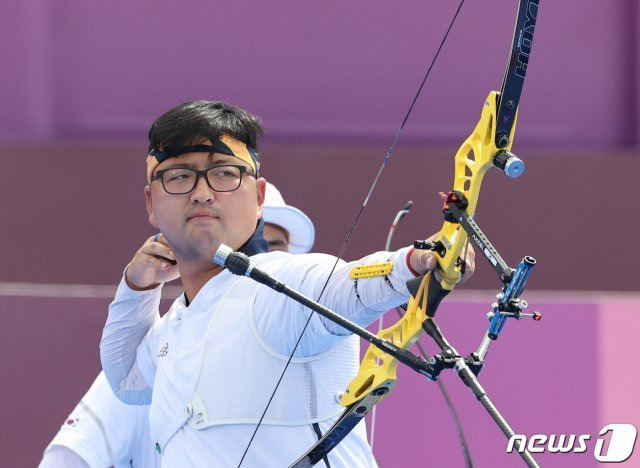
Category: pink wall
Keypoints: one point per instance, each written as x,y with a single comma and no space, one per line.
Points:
619,383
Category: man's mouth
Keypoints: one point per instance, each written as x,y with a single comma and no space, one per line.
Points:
201,217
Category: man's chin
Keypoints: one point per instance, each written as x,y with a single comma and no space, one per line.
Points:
201,244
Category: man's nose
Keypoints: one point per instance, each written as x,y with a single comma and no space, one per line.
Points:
202,193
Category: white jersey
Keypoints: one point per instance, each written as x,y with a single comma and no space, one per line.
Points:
160,361
105,432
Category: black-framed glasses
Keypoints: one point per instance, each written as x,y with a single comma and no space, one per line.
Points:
181,180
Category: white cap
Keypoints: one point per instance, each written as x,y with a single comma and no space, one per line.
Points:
302,234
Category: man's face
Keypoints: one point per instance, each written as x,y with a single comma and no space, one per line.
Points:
197,222
277,237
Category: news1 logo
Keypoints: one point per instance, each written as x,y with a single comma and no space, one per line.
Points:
621,443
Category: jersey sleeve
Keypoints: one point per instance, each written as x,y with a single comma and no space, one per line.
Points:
129,335
57,455
280,320
101,430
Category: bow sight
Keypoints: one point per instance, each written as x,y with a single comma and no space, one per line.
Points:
508,304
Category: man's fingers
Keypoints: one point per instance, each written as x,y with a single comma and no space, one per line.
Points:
422,261
471,253
431,238
157,249
159,237
429,261
155,262
470,264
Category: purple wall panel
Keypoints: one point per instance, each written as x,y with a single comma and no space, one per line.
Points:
74,213
50,357
82,70
27,86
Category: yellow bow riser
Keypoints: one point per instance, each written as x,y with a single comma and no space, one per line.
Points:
378,369
473,159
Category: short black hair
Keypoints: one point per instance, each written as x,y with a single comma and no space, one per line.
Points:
190,121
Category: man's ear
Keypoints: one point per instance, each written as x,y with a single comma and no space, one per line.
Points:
261,187
147,197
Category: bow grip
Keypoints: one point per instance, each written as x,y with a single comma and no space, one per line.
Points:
433,290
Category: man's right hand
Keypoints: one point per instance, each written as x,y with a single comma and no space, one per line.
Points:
150,266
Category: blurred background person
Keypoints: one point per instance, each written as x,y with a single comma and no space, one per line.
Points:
286,227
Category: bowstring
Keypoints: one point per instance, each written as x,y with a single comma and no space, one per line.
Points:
355,223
